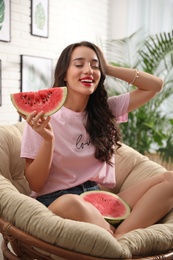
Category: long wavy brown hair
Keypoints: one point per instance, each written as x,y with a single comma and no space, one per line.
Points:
101,124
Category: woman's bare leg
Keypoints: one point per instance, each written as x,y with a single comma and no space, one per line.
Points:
73,207
150,200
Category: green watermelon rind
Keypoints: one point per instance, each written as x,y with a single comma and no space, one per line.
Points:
112,220
22,111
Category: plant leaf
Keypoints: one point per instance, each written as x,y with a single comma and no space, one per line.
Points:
40,16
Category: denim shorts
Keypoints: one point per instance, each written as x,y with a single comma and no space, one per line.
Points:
47,199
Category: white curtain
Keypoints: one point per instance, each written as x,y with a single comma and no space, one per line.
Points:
154,16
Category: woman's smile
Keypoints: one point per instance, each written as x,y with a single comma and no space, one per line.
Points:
87,81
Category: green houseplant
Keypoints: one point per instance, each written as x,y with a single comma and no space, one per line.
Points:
149,128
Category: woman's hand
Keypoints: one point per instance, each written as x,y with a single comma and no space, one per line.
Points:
40,124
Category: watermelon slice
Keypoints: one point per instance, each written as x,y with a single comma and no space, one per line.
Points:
47,100
112,207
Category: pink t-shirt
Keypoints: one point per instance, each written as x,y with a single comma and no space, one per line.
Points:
73,159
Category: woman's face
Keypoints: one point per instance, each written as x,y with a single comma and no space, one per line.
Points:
83,74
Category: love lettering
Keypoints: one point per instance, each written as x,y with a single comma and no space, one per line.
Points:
80,144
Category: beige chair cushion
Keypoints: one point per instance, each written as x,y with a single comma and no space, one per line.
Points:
133,167
11,165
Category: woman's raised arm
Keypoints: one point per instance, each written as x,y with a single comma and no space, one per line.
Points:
147,85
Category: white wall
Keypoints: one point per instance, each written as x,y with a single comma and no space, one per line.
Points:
69,21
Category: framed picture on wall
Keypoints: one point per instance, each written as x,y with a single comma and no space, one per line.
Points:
36,73
40,18
0,85
5,23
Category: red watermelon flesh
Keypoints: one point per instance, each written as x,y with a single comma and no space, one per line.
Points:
47,100
112,207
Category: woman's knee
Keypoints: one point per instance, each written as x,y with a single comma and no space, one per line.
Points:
167,184
162,177
168,178
67,205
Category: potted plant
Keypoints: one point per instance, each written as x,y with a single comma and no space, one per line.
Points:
149,128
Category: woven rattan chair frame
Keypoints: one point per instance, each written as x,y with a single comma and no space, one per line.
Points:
23,246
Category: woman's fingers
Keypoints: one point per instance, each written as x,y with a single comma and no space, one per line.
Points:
44,122
30,118
38,118
38,122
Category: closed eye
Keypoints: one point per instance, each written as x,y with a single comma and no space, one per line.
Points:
79,65
95,67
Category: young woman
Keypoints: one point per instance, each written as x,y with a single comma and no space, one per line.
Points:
73,150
